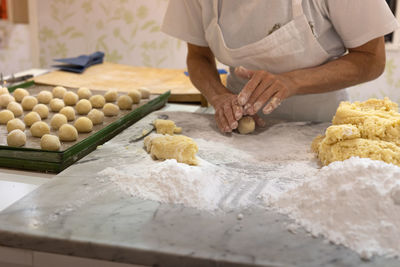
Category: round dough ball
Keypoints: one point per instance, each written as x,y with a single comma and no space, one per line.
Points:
84,93
31,118
111,95
4,90
97,101
110,109
145,92
42,109
50,142
83,107
5,99
44,97
246,125
15,124
28,102
125,102
15,108
56,104
57,121
5,116
67,133
70,98
68,112
84,125
96,116
59,91
40,128
16,138
20,93
135,95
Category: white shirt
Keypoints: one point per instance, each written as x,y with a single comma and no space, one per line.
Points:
337,24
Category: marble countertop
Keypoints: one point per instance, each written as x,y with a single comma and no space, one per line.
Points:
78,214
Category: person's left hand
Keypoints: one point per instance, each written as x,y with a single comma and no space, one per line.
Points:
263,87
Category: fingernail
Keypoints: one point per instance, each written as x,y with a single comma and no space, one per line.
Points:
234,125
257,106
267,110
247,106
241,100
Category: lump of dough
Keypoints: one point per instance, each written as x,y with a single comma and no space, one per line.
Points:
28,102
70,98
59,91
111,95
42,110
84,93
125,102
5,99
5,116
16,138
166,127
44,97
96,116
20,93
246,125
83,125
68,112
50,142
179,147
39,128
31,118
58,120
56,104
15,124
15,108
135,95
144,92
68,133
4,90
97,101
83,107
110,109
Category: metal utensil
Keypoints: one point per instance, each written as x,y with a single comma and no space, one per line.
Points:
147,130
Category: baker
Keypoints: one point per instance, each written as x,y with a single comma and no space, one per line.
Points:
289,59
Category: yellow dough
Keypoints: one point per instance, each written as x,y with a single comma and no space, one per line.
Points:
96,116
15,124
125,102
42,110
83,107
5,99
31,118
39,128
83,125
70,98
68,112
110,110
179,147
5,116
135,95
15,108
28,102
16,138
67,133
20,93
84,93
50,142
57,121
56,104
4,90
166,127
144,92
44,97
59,91
111,95
246,125
97,101
369,129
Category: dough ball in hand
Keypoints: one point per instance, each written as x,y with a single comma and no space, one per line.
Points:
59,91
50,142
20,93
110,110
15,124
96,116
125,102
42,110
83,107
68,112
135,95
15,108
31,118
97,101
44,97
68,133
144,92
5,99
5,116
84,93
28,102
111,95
16,138
39,128
247,125
70,98
83,125
57,121
56,104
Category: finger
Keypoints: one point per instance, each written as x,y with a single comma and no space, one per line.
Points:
230,117
259,121
222,122
264,85
274,103
244,73
264,97
237,109
248,89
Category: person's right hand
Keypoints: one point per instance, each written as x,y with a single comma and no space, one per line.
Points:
227,111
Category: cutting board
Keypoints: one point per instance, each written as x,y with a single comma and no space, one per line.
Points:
123,78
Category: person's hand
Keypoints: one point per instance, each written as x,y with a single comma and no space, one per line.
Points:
263,87
227,111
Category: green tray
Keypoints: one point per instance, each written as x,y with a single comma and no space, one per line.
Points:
56,161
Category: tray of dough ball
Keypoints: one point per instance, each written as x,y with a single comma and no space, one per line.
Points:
47,128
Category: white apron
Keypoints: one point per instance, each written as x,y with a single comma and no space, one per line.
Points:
291,47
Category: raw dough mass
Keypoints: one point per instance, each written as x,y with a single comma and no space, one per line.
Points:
42,109
5,116
59,91
68,112
39,128
246,125
83,107
135,95
57,121
110,109
97,101
44,97
67,133
111,95
16,138
28,102
70,98
125,102
96,116
83,125
15,124
19,94
84,93
31,118
56,104
5,99
166,127
50,142
15,108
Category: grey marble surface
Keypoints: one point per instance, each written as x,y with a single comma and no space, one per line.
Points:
79,214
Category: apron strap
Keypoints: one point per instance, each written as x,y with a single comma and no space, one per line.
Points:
297,8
